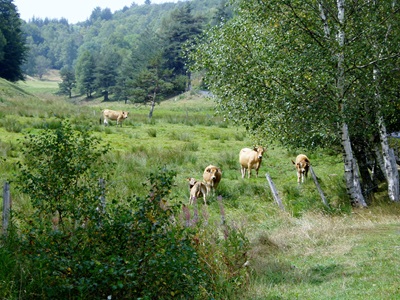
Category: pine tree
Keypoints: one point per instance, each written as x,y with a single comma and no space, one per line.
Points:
85,73
68,81
12,42
180,28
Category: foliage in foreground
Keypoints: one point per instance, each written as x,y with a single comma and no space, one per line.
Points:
71,246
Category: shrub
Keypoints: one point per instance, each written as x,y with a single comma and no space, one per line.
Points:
60,172
72,246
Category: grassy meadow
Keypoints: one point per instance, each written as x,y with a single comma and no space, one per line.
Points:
305,252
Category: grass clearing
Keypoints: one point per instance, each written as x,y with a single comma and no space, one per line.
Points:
306,252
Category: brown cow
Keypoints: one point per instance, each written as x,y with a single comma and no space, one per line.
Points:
212,176
250,159
302,166
117,115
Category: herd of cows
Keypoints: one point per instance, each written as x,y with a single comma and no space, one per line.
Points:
248,158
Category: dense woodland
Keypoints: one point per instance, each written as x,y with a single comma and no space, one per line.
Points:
134,53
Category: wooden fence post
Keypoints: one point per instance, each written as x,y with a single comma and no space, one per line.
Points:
274,192
6,206
103,196
321,193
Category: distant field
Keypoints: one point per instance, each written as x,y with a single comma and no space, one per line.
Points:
305,252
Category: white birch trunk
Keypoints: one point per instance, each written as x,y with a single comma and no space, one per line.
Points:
324,19
389,160
350,164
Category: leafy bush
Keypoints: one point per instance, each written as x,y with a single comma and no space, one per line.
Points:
73,246
60,172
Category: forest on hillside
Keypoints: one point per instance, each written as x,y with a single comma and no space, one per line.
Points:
134,53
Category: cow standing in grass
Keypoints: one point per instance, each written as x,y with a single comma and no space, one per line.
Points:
302,166
250,159
116,115
212,176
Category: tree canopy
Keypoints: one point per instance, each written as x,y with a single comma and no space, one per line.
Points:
12,42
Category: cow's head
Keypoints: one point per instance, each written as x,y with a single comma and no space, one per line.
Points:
213,172
303,166
192,182
124,114
260,151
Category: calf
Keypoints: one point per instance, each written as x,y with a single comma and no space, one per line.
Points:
109,114
199,189
192,181
250,159
302,166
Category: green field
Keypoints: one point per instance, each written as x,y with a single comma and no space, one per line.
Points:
305,252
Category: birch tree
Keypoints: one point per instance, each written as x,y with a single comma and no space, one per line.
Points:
382,53
289,71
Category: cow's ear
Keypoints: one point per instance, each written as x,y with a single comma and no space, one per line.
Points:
293,162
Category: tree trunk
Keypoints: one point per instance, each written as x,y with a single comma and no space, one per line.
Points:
105,95
378,173
324,20
367,184
189,84
153,104
350,164
352,177
389,160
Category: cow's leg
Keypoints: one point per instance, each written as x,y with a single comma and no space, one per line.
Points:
105,122
243,171
298,177
249,171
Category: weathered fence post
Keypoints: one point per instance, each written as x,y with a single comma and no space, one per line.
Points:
6,206
321,193
274,192
103,196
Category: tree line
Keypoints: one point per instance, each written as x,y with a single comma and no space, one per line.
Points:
133,54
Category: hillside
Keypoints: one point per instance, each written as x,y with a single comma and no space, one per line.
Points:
305,252
61,43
